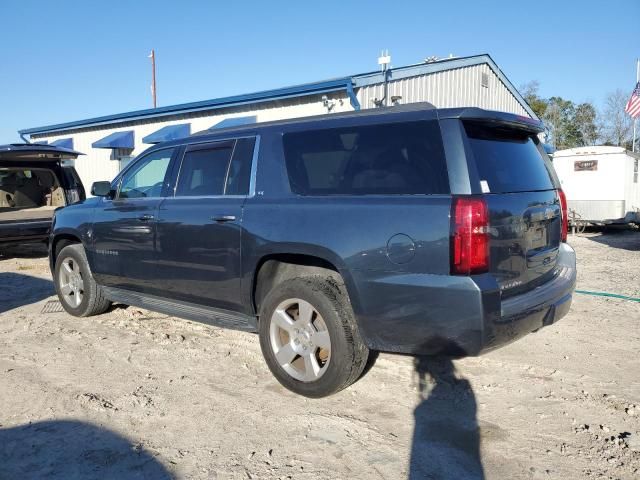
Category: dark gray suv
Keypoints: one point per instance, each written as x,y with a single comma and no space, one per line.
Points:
405,229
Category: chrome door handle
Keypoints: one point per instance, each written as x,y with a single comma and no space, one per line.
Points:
223,218
145,218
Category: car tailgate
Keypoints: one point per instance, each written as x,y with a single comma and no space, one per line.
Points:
520,188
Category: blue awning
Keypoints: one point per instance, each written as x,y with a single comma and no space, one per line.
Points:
170,132
64,143
116,140
234,122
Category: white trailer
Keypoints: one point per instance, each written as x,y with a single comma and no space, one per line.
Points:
601,183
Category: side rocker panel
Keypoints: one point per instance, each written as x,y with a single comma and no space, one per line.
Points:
210,316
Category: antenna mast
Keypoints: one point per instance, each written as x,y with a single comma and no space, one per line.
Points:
384,60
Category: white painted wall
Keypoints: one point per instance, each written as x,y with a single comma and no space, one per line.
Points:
449,88
96,164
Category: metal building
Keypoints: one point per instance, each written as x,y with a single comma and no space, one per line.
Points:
109,142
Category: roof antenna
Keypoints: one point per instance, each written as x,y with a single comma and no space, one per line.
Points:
384,60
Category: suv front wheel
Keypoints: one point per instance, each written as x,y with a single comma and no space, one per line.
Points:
78,292
309,337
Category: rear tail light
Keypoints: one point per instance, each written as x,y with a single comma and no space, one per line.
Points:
565,217
469,236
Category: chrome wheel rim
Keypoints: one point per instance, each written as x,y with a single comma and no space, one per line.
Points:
71,282
300,340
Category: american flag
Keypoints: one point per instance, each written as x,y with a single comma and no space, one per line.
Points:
633,105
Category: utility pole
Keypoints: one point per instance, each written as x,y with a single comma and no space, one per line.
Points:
152,56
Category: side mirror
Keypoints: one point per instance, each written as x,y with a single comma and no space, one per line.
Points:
101,189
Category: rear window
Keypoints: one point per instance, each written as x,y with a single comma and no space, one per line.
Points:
203,172
390,159
508,160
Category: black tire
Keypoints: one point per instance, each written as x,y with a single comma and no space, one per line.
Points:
348,353
93,300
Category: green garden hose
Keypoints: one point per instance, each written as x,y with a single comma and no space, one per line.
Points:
604,294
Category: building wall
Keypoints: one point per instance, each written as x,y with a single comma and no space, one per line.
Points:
447,88
460,87
97,164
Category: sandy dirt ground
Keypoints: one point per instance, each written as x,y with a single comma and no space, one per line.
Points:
134,394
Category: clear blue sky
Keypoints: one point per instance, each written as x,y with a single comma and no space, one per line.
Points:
68,60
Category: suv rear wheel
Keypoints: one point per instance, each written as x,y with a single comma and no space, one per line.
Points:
78,292
309,337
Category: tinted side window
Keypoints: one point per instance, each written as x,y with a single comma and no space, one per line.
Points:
508,160
204,172
392,159
146,178
240,168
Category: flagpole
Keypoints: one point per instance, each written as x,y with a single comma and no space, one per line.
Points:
635,120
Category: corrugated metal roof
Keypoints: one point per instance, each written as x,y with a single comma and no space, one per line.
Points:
213,104
344,83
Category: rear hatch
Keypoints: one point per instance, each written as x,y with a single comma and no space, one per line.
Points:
34,152
519,186
37,156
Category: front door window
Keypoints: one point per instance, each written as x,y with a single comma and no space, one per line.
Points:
146,178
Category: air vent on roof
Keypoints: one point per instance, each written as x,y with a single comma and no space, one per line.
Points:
484,80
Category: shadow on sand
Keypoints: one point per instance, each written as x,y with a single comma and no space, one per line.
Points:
626,239
446,437
17,290
73,450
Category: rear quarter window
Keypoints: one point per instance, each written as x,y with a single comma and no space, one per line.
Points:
387,159
508,160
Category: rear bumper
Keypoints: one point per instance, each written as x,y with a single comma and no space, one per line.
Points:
538,308
436,314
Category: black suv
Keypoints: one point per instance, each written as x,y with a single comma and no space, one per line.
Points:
405,229
34,181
